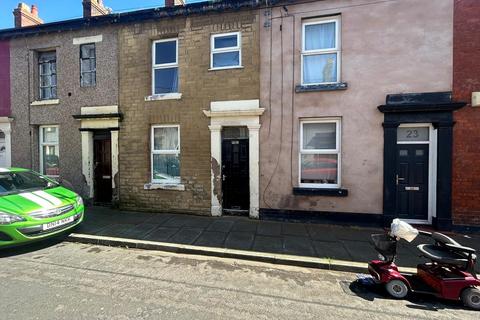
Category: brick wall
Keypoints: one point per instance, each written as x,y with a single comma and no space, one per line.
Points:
4,79
198,86
466,79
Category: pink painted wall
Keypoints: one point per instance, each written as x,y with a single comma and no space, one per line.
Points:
387,47
4,79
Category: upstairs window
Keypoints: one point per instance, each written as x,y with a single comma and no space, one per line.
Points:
165,66
47,66
165,154
321,51
88,65
320,153
226,51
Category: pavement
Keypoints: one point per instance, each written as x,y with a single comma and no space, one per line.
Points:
334,247
57,281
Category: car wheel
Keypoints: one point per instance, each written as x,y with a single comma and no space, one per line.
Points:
397,289
471,298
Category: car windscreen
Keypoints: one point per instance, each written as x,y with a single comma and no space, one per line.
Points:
18,182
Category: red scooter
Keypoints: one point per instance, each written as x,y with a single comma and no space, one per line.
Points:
450,274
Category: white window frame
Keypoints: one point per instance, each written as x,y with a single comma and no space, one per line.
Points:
44,144
337,151
336,50
164,66
153,152
226,50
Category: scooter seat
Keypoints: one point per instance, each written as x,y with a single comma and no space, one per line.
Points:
443,255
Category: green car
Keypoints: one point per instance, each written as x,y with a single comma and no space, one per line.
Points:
34,207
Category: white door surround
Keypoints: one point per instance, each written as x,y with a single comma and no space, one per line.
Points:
5,127
98,118
235,113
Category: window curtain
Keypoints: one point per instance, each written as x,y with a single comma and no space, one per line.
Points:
320,36
320,68
166,139
318,136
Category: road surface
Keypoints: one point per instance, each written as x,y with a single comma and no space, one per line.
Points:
78,281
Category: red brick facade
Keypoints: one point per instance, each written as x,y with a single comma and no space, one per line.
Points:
4,79
466,79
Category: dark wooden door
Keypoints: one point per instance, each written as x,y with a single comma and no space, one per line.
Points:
235,176
102,164
412,181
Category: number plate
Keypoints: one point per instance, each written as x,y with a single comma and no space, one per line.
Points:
57,223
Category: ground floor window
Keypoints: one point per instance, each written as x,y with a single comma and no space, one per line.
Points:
320,153
165,152
49,151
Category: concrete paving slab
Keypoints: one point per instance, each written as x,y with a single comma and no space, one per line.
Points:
245,225
186,235
294,229
239,240
114,229
298,246
139,231
360,250
268,244
331,250
211,239
176,222
221,225
161,234
159,218
319,232
269,228
198,222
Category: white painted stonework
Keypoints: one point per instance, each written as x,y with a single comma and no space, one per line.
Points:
235,113
6,143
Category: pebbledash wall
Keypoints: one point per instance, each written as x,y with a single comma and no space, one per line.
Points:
29,114
386,47
198,86
466,80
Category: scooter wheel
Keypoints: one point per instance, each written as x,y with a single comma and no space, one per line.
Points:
397,289
471,298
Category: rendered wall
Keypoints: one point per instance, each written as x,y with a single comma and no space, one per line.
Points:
387,47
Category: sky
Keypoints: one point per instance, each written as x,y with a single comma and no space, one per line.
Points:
57,10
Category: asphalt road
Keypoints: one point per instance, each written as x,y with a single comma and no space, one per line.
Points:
76,281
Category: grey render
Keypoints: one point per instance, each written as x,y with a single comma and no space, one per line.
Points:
72,97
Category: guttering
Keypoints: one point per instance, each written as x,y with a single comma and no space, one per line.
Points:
133,17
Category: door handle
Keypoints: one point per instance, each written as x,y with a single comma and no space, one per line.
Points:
399,179
223,177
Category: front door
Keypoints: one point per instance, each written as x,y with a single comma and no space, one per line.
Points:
412,181
102,155
235,176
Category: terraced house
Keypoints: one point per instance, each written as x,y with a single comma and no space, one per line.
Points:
64,98
189,94
358,111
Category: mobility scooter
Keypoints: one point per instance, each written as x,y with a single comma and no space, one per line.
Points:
450,274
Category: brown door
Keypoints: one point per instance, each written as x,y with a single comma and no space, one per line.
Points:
102,167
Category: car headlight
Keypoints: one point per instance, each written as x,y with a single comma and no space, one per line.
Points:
6,218
79,201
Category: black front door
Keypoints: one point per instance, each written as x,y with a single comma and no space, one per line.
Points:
102,167
235,177
412,181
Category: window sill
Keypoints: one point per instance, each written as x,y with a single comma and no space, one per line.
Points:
332,192
166,96
225,68
321,87
45,102
164,186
